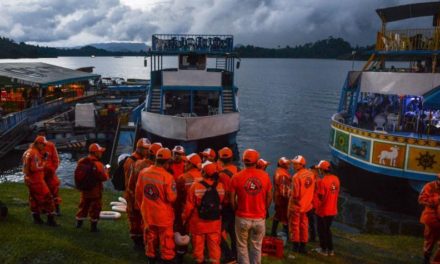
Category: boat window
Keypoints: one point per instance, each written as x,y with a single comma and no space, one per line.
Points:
206,103
177,102
192,62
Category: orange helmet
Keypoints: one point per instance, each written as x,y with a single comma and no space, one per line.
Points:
324,165
155,147
194,159
209,153
143,143
179,149
163,154
250,156
209,168
40,139
225,153
262,164
95,147
299,159
283,161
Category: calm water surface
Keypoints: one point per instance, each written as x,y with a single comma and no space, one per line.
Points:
285,105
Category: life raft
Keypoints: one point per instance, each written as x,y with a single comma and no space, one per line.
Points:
121,209
109,215
117,204
122,200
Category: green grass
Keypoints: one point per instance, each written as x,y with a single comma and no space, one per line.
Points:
23,242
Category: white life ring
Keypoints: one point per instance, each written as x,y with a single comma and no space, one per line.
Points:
109,215
181,240
121,209
122,200
117,204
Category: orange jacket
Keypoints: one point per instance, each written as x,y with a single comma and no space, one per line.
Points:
430,198
155,195
327,193
282,182
177,169
224,176
131,186
193,201
101,174
33,165
52,158
184,182
129,167
303,187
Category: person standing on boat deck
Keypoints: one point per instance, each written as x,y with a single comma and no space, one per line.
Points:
300,203
178,165
133,213
430,199
282,182
205,225
326,208
208,155
226,170
50,177
155,195
192,174
91,200
40,198
262,164
250,195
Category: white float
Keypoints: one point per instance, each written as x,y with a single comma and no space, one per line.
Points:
121,209
122,200
117,204
109,215
181,240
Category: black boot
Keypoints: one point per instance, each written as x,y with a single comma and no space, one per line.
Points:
295,247
286,230
427,259
138,244
37,219
57,210
151,260
94,227
51,220
79,223
302,248
274,228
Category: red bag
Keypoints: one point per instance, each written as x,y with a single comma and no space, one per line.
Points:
273,246
85,175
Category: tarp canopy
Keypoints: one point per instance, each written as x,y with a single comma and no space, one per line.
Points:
42,74
400,83
395,13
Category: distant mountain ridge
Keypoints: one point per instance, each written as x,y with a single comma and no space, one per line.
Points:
121,46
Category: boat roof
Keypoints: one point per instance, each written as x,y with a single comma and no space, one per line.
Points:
42,74
401,12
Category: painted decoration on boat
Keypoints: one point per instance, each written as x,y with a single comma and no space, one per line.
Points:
424,159
360,148
389,154
341,141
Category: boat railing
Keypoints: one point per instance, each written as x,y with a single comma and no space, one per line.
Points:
192,42
408,39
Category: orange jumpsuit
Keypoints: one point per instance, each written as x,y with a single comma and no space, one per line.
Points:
203,231
282,184
430,198
303,187
177,169
40,198
50,177
91,201
155,195
133,213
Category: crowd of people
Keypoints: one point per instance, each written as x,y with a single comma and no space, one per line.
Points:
202,199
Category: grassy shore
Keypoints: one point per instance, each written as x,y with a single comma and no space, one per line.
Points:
23,242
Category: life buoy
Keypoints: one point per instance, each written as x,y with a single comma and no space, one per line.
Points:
122,200
121,209
117,204
181,240
109,215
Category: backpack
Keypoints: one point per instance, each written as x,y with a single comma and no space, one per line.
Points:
210,208
85,178
118,179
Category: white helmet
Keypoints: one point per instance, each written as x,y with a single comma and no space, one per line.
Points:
181,240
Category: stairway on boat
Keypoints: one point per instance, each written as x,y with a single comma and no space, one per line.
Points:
155,99
228,101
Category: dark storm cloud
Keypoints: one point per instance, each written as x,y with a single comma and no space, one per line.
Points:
259,22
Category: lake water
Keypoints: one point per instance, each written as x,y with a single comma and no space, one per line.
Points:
285,105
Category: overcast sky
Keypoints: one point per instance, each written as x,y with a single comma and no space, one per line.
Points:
267,23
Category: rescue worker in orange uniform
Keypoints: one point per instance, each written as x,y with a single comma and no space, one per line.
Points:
250,195
52,159
430,199
311,214
227,169
40,198
192,174
204,231
300,202
208,155
262,164
282,182
133,213
91,201
155,195
178,165
326,208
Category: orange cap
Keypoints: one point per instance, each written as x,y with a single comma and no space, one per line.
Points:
283,161
179,149
40,139
155,147
250,156
95,147
324,165
194,159
225,153
163,154
261,163
209,153
209,168
299,159
143,143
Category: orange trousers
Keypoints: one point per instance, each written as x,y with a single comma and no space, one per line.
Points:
212,241
89,207
432,236
53,182
161,239
299,227
135,225
40,199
